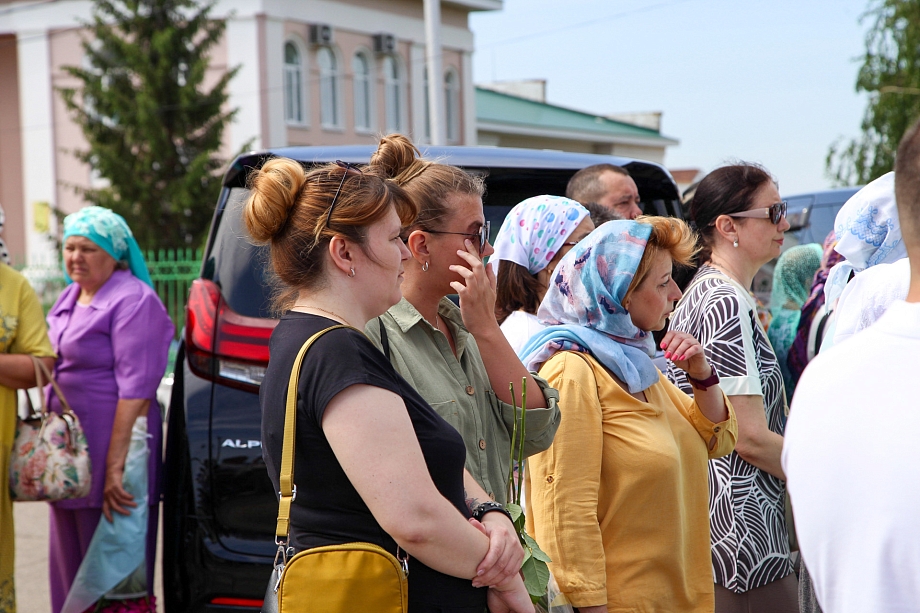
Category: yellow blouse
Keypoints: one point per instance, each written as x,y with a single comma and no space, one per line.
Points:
620,501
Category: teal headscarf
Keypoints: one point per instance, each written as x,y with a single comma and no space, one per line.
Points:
792,278
110,231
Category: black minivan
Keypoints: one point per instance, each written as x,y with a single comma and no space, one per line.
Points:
219,507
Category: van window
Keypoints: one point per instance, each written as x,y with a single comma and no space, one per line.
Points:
239,266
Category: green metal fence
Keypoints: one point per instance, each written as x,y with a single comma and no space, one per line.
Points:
171,270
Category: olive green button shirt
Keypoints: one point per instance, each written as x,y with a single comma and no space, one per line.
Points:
458,388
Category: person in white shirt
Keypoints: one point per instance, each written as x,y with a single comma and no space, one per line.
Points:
535,235
868,235
854,487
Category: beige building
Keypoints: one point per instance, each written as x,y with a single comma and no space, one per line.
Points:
313,72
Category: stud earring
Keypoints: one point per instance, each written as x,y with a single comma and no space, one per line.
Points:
425,266
735,244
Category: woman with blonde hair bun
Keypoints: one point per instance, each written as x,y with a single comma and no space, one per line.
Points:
373,461
457,357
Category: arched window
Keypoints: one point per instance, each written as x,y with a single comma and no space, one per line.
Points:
328,87
361,67
293,84
392,87
452,104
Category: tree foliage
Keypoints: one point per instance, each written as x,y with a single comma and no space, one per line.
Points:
153,128
890,73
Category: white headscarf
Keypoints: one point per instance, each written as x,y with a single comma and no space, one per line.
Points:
534,230
4,254
868,233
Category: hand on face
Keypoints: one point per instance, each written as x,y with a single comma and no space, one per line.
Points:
686,353
477,291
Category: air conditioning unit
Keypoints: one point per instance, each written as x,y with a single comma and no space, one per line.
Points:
384,43
320,34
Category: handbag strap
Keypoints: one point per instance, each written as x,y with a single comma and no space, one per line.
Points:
288,490
42,378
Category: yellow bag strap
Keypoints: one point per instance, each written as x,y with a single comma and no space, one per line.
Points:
288,489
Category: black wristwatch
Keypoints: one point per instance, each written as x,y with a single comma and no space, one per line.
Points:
487,507
705,384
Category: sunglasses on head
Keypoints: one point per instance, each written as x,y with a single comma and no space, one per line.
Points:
350,169
774,213
482,236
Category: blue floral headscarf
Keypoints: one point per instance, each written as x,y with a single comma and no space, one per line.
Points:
868,233
110,231
583,307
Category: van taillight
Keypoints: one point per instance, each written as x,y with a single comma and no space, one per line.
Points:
223,345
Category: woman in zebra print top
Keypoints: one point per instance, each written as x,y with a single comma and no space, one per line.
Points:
741,220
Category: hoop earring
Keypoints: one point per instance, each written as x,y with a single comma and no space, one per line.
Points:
352,272
735,244
425,266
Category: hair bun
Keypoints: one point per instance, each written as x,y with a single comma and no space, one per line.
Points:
274,190
397,158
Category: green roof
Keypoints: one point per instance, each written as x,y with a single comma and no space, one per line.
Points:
500,108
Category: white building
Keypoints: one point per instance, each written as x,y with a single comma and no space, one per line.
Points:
313,72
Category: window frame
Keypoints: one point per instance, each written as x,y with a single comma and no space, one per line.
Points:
394,89
368,87
300,71
329,83
452,102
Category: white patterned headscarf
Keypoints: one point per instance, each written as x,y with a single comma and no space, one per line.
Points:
4,254
868,233
534,230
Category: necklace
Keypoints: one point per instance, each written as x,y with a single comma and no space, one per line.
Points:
316,308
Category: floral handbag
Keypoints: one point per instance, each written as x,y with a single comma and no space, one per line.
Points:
50,459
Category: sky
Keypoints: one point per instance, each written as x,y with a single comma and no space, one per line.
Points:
768,81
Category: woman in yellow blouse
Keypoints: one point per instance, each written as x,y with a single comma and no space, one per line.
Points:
620,500
22,334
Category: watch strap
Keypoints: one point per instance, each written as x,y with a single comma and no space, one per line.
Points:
705,384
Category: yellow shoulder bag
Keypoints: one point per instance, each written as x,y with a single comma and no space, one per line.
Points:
335,578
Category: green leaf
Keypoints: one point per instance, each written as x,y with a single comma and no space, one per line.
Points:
534,548
515,510
536,576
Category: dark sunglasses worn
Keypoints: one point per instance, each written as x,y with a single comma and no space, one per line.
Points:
350,169
482,236
774,213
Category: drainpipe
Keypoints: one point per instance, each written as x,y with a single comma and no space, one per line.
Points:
435,71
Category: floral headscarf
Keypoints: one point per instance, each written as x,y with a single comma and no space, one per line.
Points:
583,306
110,231
868,233
4,254
534,230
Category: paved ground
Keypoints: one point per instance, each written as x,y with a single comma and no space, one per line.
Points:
31,520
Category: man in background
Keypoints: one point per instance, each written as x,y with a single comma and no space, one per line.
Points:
850,452
609,186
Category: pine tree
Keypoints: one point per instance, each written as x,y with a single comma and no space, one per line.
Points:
153,129
890,73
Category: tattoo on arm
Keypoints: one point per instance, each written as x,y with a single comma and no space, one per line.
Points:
471,503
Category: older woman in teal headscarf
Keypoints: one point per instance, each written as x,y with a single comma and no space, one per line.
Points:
111,334
620,501
792,279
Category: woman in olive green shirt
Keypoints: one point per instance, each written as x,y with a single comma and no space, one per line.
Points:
457,358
